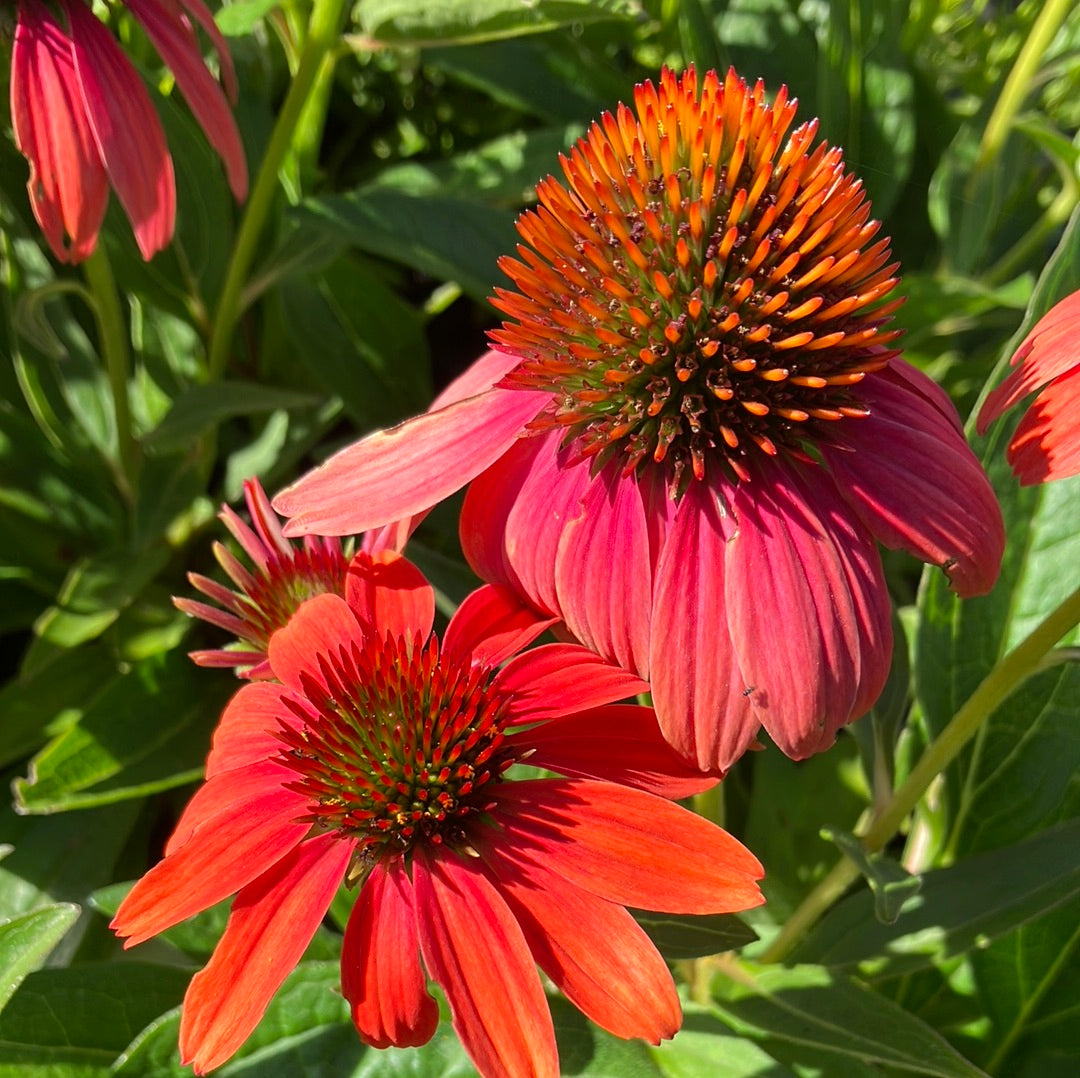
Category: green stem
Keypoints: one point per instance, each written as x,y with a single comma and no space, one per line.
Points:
323,29
1025,659
114,349
1015,89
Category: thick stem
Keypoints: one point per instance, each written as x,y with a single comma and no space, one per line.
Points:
1016,85
322,34
1025,659
113,341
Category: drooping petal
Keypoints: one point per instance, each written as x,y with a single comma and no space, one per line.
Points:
225,854
67,186
172,35
247,731
1046,444
407,469
201,14
127,131
615,842
1047,352
491,624
619,743
474,949
602,576
698,688
273,920
389,594
807,626
916,484
244,785
597,955
381,975
323,624
556,679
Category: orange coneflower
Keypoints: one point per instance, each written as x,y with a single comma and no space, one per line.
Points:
696,428
386,756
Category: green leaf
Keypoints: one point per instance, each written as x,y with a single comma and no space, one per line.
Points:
702,1047
371,352
823,1011
890,883
240,17
404,22
43,701
588,1051
446,238
86,1014
203,408
26,941
138,726
958,908
694,937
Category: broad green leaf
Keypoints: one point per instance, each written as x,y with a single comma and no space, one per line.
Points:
702,1047
202,408
85,1014
40,703
446,238
958,908
401,22
785,834
240,17
137,730
504,171
60,858
694,937
588,1051
26,941
823,1011
371,347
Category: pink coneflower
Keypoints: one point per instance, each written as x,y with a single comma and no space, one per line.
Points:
1046,444
696,431
84,120
283,575
385,758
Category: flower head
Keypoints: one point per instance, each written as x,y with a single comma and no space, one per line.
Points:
695,431
84,121
282,577
1046,444
385,757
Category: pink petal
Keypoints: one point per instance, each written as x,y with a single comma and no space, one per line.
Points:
628,846
390,595
172,35
407,469
67,185
515,514
1049,350
807,607
483,373
1046,444
602,572
126,130
381,976
491,624
273,920
595,952
322,625
474,949
225,854
244,785
619,743
201,13
557,679
699,691
916,485
247,731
